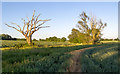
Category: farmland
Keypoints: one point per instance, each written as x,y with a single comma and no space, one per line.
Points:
102,59
59,37
12,43
52,57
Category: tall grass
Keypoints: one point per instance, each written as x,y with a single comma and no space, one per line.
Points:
102,59
12,43
52,59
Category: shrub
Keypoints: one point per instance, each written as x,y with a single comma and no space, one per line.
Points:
18,45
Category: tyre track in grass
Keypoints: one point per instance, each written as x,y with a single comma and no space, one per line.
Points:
75,65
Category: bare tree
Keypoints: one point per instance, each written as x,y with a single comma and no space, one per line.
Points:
91,27
31,26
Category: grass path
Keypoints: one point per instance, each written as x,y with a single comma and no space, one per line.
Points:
75,60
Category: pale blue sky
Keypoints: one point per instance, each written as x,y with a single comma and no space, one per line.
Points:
64,16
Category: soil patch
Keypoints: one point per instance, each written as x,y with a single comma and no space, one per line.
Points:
75,65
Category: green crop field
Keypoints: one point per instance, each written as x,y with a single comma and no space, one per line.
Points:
52,59
39,37
102,59
57,58
13,43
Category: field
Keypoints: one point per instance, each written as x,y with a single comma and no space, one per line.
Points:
102,59
51,59
55,57
11,43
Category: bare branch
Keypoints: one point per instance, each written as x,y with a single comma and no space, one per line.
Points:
13,27
31,25
28,18
24,24
35,22
41,24
16,24
43,20
33,14
27,28
38,29
41,27
37,17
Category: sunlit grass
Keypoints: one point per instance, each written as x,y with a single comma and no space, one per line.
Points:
104,50
102,59
109,41
50,59
108,54
11,44
54,57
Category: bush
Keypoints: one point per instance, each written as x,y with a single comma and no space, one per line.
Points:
18,45
77,37
23,45
54,39
34,40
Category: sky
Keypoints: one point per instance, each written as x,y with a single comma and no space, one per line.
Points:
64,17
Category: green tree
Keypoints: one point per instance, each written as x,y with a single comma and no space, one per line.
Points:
91,27
5,37
34,39
47,39
63,39
55,39
77,37
117,39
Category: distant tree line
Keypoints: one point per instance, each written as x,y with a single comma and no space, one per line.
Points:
8,37
117,39
54,39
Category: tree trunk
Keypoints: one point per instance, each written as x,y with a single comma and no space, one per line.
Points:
29,40
93,40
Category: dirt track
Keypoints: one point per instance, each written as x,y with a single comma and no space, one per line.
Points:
75,60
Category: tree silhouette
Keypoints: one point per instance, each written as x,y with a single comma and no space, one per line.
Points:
31,26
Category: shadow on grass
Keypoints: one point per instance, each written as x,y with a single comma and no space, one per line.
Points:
51,59
102,59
